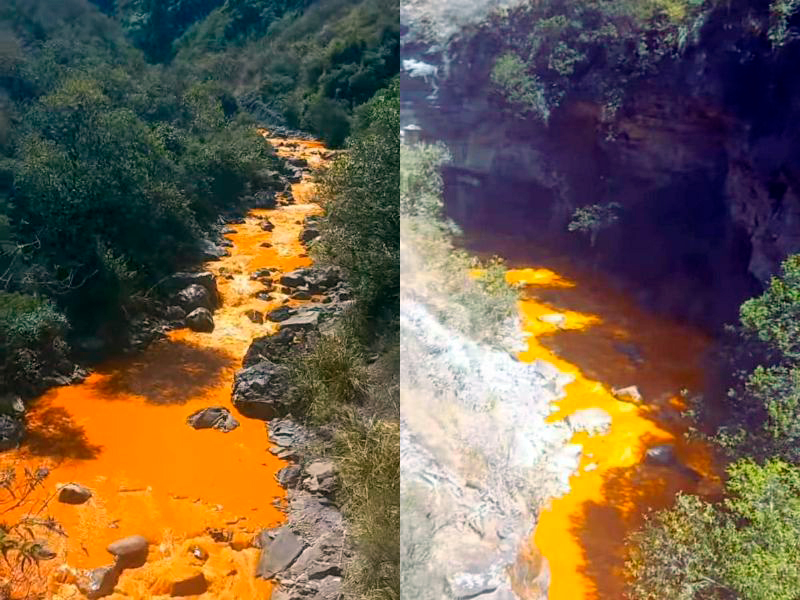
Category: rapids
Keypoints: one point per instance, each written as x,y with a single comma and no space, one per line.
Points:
606,341
123,433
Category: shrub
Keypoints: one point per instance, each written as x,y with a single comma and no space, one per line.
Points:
743,547
368,455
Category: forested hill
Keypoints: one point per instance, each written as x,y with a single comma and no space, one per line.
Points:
127,128
305,62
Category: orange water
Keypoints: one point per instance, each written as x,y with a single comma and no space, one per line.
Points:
123,433
582,533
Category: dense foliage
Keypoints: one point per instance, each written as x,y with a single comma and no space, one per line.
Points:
747,545
592,49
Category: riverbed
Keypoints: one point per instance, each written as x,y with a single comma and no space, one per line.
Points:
123,434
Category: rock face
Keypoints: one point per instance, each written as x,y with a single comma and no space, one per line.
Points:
468,514
214,417
74,493
689,130
200,319
260,391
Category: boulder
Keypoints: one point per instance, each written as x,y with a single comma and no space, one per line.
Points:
662,455
12,430
200,319
281,314
591,420
289,476
260,391
130,552
195,296
279,554
74,493
301,295
301,322
213,417
267,225
211,251
264,199
99,582
628,394
277,348
311,232
314,279
556,319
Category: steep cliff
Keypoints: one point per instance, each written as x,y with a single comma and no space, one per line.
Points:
697,140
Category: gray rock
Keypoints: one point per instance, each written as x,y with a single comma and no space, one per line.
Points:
130,551
311,232
264,199
330,588
260,391
315,279
279,553
99,582
302,321
628,394
469,585
281,314
195,296
289,476
200,319
12,430
211,251
662,455
213,417
591,420
74,493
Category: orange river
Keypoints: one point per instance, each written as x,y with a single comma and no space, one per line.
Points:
582,533
123,433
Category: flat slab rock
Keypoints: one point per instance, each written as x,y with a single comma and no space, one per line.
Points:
278,554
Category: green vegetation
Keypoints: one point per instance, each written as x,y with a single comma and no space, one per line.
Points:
334,383
592,219
468,294
745,546
591,49
362,229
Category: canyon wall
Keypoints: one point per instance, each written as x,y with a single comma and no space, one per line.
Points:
703,155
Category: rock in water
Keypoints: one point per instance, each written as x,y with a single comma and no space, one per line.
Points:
628,394
591,420
130,552
279,554
261,391
556,319
200,319
74,493
195,296
281,314
661,456
213,417
98,582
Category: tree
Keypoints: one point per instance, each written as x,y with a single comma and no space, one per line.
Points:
593,219
745,547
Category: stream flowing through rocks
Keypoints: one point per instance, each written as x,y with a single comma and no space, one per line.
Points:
198,497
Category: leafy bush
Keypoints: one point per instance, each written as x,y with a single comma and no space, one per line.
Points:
593,219
524,91
361,231
743,547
